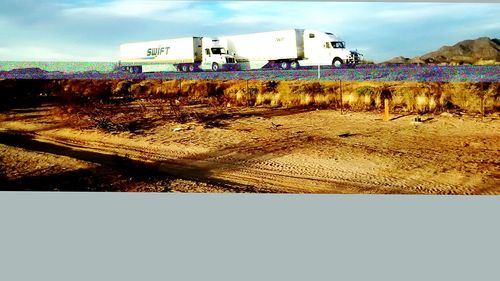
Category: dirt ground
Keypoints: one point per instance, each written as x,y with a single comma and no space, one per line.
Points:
258,149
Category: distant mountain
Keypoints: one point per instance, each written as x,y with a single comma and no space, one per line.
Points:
29,71
478,51
33,72
62,66
398,60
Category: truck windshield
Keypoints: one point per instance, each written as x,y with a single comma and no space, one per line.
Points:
218,51
338,44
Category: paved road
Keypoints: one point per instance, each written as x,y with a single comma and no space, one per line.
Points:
431,73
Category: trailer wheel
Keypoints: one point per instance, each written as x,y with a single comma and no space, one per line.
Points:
131,69
284,65
185,68
337,62
294,64
191,68
215,66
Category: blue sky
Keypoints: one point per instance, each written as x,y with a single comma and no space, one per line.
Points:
92,30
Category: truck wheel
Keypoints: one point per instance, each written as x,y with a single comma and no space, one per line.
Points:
131,69
191,68
284,65
294,64
185,68
337,63
215,66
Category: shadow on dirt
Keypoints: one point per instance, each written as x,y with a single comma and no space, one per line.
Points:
93,179
113,173
83,179
110,175
224,119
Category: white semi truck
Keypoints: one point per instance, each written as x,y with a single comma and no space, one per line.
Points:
181,54
289,49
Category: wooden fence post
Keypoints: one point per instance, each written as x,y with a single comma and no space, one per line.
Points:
482,95
341,104
386,109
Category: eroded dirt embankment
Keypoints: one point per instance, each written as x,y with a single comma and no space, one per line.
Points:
419,97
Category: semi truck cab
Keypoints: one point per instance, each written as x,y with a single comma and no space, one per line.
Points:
215,57
324,48
338,53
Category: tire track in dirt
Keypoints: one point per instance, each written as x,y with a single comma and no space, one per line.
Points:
267,164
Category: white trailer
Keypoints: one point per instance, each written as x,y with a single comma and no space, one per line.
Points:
289,49
181,54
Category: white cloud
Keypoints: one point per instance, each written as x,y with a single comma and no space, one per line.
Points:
241,5
126,8
411,12
32,53
248,19
493,26
316,15
166,11
5,25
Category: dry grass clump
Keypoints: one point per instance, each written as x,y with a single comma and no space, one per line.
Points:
154,88
166,89
121,88
249,93
405,98
439,96
487,62
474,97
83,91
419,97
362,98
202,89
295,93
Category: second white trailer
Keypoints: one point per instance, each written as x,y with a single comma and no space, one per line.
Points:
289,49
258,49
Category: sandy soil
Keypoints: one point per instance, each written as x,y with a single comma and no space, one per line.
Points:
257,150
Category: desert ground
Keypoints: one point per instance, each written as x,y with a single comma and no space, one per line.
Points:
171,145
